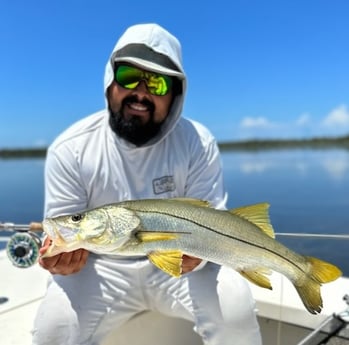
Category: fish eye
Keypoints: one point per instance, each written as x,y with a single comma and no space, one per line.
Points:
77,217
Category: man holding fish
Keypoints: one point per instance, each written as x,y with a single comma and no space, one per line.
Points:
139,147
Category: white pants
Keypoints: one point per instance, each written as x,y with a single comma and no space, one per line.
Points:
84,307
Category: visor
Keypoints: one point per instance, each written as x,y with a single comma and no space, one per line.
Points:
145,58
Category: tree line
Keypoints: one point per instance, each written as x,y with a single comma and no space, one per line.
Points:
243,145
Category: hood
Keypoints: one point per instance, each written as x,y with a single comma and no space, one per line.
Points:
151,47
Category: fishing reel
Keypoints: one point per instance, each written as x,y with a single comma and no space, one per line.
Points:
23,249
23,246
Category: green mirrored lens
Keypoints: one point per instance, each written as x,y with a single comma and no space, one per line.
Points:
129,78
158,85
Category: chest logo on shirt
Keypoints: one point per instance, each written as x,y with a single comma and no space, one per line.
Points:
164,184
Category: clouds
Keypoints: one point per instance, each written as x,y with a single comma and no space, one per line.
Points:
303,120
334,164
335,123
260,122
337,117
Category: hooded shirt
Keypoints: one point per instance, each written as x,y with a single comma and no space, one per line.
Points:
88,165
150,47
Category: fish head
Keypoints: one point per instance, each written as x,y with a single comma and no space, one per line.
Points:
102,230
79,226
70,232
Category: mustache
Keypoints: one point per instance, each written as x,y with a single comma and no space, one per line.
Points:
134,99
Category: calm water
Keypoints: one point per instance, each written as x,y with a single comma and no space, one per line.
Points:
308,192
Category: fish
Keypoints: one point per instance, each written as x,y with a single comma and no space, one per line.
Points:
164,230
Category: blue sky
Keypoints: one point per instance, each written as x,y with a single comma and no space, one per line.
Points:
256,68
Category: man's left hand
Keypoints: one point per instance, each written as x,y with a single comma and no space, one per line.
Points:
189,263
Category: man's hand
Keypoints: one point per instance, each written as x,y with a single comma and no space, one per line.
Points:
189,263
64,263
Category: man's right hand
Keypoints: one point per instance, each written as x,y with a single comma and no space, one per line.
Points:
64,263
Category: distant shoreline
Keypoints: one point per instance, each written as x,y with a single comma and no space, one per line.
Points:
33,152
274,144
245,145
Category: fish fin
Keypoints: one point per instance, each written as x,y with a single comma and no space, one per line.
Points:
193,201
309,288
152,236
323,271
257,214
258,277
169,261
310,295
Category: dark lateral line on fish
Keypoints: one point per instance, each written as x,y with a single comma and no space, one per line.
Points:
219,233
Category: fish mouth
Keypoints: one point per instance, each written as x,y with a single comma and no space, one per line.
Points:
58,233
49,228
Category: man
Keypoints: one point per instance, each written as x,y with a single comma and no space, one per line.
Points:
138,147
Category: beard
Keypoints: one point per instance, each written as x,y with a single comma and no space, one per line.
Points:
132,129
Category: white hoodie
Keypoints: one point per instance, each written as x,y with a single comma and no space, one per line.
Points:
88,165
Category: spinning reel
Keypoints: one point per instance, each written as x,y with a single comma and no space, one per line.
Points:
23,246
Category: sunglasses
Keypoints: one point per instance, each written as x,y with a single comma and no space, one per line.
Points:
129,77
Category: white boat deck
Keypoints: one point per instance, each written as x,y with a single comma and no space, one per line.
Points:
24,289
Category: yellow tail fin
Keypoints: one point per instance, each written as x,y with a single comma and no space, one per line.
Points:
323,271
309,290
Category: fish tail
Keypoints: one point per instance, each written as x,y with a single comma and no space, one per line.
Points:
309,289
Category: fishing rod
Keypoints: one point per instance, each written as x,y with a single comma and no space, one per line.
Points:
326,236
33,226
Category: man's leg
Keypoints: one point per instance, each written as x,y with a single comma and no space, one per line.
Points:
217,299
82,308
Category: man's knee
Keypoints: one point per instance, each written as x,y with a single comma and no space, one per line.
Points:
56,321
50,328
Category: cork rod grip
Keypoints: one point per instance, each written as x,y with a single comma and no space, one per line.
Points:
35,226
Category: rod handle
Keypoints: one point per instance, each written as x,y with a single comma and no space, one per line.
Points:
35,226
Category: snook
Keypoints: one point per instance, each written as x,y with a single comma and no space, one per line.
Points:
165,229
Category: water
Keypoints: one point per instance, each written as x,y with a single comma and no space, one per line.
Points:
307,191
21,190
